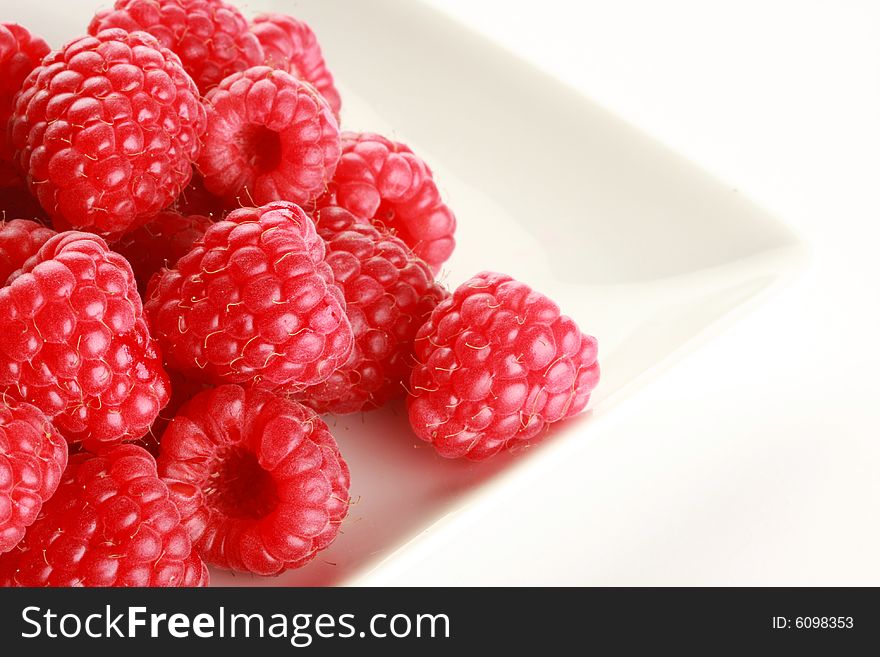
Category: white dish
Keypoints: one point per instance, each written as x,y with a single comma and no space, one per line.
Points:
642,248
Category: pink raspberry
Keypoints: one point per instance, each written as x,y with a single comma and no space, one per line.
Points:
159,243
211,37
32,457
291,45
497,363
389,294
106,130
112,522
20,53
19,240
270,137
74,342
253,302
274,487
383,181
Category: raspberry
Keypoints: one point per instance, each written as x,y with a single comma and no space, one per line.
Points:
270,137
160,243
274,485
20,52
210,37
253,302
32,457
106,130
112,522
19,240
496,363
389,294
290,44
384,182
74,342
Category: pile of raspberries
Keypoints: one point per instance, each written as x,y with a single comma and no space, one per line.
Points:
196,264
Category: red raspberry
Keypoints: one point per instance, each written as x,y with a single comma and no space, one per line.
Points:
384,182
496,364
161,242
210,37
389,294
274,485
253,302
270,137
112,522
106,130
20,52
19,240
32,457
290,44
74,342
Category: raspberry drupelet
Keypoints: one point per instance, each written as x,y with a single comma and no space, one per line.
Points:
106,130
253,302
270,137
497,363
274,487
75,344
389,294
32,457
384,182
112,522
211,37
291,45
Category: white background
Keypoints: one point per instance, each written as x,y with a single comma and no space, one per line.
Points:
765,465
